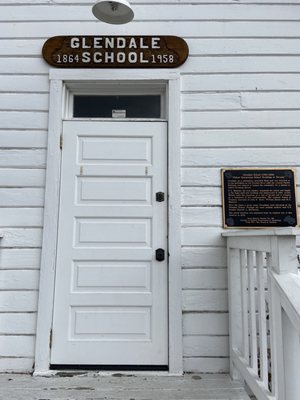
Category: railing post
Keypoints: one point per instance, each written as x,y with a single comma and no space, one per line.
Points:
291,353
283,254
234,304
283,261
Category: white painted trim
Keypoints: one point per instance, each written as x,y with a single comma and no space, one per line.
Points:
56,114
262,232
48,260
109,88
112,75
174,179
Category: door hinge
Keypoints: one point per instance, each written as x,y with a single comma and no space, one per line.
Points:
50,338
61,141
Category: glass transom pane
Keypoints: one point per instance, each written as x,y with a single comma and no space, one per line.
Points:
117,106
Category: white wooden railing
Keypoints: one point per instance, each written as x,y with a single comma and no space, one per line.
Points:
264,311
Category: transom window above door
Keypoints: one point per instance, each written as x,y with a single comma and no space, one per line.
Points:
117,106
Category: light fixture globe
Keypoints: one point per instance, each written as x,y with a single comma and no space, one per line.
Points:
113,12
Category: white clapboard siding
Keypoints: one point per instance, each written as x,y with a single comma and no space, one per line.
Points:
23,120
21,301
22,139
17,323
241,119
21,47
291,2
215,365
209,101
241,82
16,364
243,64
205,324
18,279
234,138
204,176
186,29
12,177
200,176
201,196
17,217
206,257
206,346
20,258
24,83
21,237
201,216
238,101
205,300
24,101
241,157
23,158
22,197
163,12
270,101
17,346
204,278
243,46
202,236
24,65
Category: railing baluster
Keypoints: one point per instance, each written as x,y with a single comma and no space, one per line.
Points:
245,302
252,309
263,345
273,381
276,339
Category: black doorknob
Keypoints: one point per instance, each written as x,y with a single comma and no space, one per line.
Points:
160,196
160,254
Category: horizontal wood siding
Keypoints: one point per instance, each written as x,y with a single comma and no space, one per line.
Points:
240,107
23,141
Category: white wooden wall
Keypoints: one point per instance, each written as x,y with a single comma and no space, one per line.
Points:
240,107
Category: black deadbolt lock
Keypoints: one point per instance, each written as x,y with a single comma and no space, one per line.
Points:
160,196
160,254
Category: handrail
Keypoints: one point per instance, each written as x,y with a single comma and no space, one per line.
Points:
289,288
264,311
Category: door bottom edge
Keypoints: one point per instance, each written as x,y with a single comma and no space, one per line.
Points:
113,369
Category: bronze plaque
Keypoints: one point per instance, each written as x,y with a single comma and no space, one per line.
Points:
115,51
259,198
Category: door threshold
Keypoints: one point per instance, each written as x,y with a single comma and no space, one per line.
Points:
118,373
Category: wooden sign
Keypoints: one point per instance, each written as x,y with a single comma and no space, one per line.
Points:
115,51
259,198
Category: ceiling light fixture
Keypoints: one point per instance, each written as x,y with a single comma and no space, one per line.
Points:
113,12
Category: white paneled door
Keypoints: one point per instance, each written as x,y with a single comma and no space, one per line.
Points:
110,305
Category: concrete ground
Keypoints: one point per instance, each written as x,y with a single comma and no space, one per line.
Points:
92,386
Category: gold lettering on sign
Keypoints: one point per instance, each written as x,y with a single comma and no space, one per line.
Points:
115,51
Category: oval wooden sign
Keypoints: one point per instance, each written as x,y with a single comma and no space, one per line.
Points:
115,51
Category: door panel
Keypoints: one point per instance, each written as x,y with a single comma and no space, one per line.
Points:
110,304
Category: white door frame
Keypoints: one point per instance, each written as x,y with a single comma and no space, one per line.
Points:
47,274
